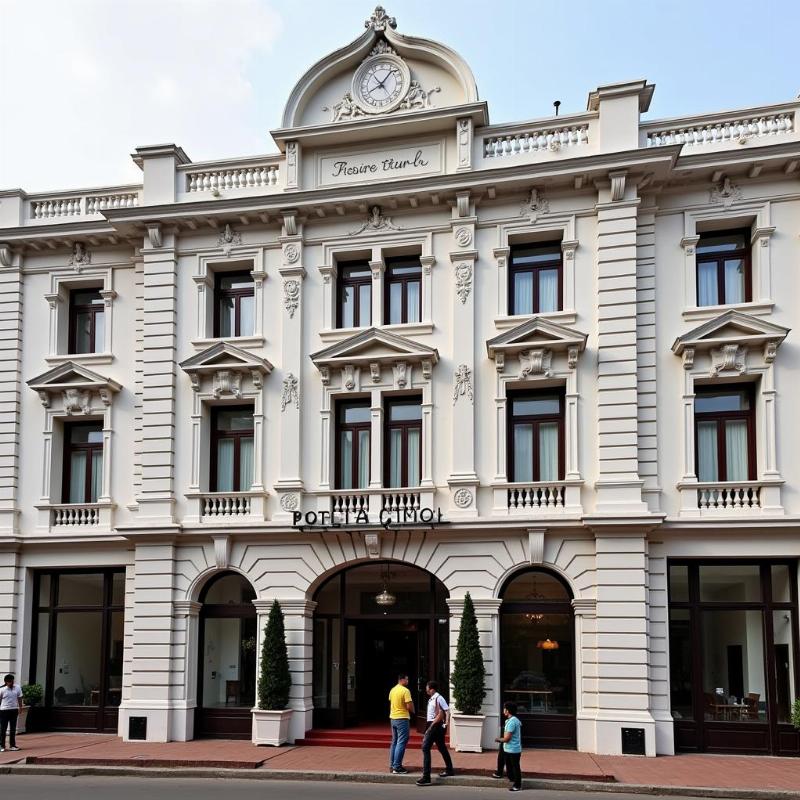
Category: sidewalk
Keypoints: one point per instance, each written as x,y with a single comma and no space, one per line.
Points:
699,771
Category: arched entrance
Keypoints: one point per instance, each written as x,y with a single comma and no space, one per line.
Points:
226,680
372,622
537,657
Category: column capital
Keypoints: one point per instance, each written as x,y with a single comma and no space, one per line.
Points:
189,608
291,608
484,606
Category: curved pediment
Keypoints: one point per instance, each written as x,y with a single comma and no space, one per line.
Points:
437,77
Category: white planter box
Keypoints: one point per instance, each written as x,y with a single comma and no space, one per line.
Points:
468,732
22,719
271,727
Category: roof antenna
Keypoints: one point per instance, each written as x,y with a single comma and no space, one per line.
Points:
556,103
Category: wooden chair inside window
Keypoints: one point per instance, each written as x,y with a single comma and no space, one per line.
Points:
232,693
751,705
711,706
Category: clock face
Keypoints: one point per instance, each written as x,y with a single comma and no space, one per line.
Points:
380,84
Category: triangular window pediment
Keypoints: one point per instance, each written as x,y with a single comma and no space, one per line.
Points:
76,385
225,356
375,346
536,332
731,327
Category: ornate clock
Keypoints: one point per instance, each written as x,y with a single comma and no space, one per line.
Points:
381,83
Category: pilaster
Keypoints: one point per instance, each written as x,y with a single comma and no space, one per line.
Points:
10,378
463,480
289,485
9,607
160,306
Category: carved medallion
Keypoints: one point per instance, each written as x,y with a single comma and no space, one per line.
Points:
463,237
463,498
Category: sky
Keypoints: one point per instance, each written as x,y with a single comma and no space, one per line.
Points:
83,82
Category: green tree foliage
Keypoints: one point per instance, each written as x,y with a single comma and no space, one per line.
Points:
274,680
468,672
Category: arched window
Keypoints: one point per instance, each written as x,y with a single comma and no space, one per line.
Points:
537,662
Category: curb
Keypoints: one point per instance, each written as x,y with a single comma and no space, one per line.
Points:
374,777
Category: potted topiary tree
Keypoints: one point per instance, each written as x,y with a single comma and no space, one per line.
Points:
32,695
271,716
796,714
468,678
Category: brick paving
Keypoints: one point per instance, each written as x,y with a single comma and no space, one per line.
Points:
743,772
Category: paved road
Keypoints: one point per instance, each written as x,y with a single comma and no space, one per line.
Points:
37,787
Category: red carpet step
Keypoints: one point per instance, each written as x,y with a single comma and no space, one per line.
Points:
377,737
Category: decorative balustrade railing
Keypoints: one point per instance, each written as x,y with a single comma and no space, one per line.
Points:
724,131
729,497
536,496
551,139
74,515
349,503
219,506
49,208
255,176
401,501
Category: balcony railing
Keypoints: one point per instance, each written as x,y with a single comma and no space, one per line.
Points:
725,130
239,177
537,140
401,505
89,204
729,497
548,496
542,498
218,506
73,515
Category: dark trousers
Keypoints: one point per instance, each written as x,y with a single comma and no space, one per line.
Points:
501,759
435,736
513,768
8,722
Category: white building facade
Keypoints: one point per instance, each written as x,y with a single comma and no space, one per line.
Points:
548,363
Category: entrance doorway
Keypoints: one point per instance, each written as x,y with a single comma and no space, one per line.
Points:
226,682
373,622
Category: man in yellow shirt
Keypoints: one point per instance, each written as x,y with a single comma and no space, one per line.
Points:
401,707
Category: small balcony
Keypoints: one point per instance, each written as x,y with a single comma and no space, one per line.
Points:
76,516
398,506
730,499
224,508
538,499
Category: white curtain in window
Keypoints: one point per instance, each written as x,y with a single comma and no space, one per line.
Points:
707,294
736,450
734,281
97,476
548,290
246,316
523,293
226,315
413,302
99,332
77,477
346,455
347,306
395,458
707,467
365,305
363,459
225,465
548,451
413,457
245,465
523,453
395,303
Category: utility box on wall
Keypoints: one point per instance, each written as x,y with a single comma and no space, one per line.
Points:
137,728
633,743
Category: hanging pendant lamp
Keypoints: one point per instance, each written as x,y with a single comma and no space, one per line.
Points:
385,598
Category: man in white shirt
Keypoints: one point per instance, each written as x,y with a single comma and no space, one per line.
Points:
10,705
434,734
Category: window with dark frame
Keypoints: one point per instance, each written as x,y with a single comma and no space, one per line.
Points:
86,321
403,291
403,442
725,433
354,288
231,449
83,462
234,304
353,445
536,436
535,281
723,264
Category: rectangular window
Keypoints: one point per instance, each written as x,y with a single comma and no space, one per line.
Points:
353,445
83,462
723,268
403,442
232,449
354,284
403,301
234,304
535,279
724,434
86,321
536,436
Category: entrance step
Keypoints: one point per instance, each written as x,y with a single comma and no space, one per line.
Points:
370,737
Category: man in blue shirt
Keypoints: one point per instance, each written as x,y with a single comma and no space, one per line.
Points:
512,745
